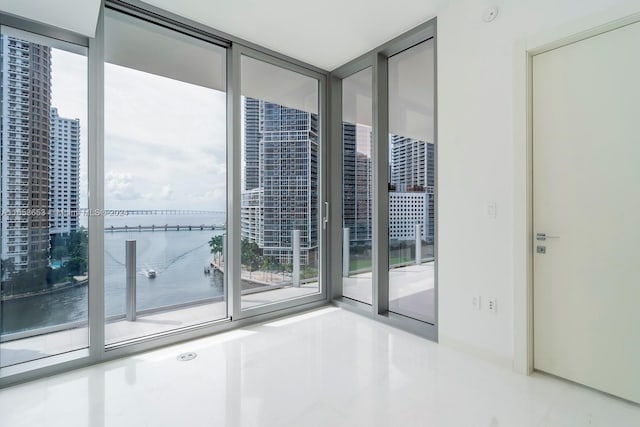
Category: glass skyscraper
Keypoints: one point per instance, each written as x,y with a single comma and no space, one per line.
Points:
357,180
280,181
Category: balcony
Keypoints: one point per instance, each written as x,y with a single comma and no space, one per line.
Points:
52,340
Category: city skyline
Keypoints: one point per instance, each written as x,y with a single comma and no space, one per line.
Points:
411,184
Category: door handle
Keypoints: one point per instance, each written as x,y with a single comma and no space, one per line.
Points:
325,220
543,236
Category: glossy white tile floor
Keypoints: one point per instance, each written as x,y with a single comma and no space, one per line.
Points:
324,368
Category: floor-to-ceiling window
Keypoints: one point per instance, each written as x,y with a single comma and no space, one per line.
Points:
385,126
204,196
43,175
281,212
412,182
357,186
165,179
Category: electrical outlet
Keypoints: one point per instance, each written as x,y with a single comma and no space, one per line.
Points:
491,209
492,305
476,303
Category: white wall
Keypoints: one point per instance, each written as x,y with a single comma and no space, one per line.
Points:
482,159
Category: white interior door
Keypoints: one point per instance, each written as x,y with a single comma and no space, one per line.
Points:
586,166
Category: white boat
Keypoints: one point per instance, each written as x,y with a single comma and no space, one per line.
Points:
151,274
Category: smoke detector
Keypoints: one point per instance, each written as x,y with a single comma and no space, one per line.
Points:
490,14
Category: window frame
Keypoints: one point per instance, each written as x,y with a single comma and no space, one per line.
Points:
238,51
330,195
97,351
378,59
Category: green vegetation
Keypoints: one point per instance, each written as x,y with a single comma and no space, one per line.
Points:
308,272
250,255
216,244
401,254
253,259
70,251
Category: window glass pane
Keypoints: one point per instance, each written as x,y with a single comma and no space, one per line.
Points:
44,240
357,176
165,180
412,183
280,198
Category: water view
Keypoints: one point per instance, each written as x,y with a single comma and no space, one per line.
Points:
179,259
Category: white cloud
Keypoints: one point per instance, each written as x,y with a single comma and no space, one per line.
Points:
119,186
166,192
165,140
169,136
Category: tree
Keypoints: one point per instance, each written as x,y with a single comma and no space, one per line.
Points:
267,265
215,244
250,254
58,253
77,243
76,266
8,267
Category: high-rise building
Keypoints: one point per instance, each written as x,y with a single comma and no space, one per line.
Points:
406,210
286,197
252,144
357,182
410,159
412,170
64,174
252,216
25,96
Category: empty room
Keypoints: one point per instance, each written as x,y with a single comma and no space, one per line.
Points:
284,213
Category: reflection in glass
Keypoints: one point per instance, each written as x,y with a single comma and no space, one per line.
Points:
44,244
357,176
165,179
280,199
412,183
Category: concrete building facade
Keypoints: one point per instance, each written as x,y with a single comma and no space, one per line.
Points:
286,196
412,171
26,101
64,174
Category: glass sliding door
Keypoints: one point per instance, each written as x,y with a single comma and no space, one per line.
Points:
357,178
43,174
412,182
165,179
280,204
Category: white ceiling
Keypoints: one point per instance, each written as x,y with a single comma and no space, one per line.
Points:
324,33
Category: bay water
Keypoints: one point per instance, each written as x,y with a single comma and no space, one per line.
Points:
179,259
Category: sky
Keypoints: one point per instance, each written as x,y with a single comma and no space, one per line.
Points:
69,95
165,140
